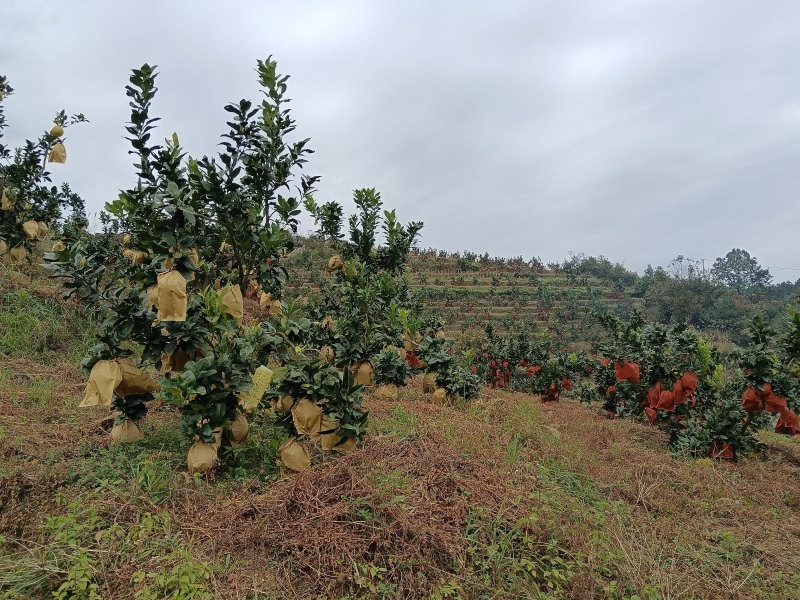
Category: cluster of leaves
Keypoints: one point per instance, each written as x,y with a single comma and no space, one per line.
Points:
676,380
455,374
27,196
391,368
367,303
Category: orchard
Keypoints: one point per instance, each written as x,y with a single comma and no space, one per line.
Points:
188,274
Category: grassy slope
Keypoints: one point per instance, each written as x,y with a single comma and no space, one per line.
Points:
504,498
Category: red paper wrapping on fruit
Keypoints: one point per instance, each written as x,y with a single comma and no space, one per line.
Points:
721,450
413,360
627,372
788,423
666,401
653,396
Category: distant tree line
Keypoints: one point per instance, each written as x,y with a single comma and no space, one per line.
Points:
724,297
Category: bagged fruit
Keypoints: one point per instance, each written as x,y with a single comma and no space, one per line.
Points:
58,154
134,380
201,458
232,301
103,380
7,200
364,374
240,428
293,455
172,299
429,383
30,229
128,432
327,355
307,417
439,397
17,255
335,263
386,392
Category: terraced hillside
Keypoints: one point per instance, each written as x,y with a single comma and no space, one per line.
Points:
468,291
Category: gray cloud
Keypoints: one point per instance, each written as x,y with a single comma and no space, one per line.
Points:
637,130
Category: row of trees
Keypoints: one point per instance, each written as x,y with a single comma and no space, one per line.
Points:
184,248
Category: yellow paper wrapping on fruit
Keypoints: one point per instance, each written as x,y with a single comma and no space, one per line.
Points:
59,247
42,229
284,404
439,397
307,417
265,300
429,383
276,308
7,201
386,392
137,257
201,458
151,298
17,255
194,255
172,298
232,301
364,375
30,229
335,263
327,355
134,380
174,362
127,433
3,248
103,380
261,379
58,154
240,428
329,439
293,455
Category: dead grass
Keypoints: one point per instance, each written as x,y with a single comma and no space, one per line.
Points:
631,517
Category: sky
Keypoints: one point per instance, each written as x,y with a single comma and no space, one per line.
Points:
637,130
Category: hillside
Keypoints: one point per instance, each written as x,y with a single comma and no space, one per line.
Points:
561,300
501,498
471,291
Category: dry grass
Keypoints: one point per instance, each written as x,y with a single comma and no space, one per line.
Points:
618,507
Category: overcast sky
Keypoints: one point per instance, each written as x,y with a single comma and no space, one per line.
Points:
636,129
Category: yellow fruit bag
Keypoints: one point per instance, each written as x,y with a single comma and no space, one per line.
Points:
307,417
103,380
294,455
172,299
134,380
232,301
127,433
